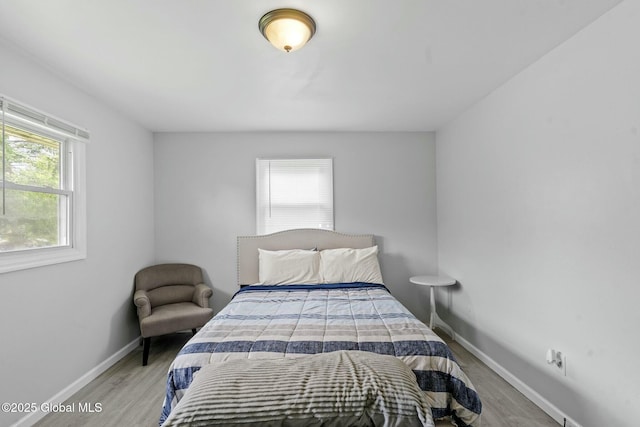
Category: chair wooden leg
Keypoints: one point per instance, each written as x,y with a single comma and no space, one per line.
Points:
193,331
145,351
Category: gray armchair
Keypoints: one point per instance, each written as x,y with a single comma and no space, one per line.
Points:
170,298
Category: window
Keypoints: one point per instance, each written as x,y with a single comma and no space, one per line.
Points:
293,193
42,201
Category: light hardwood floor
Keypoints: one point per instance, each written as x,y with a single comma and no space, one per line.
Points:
131,395
502,404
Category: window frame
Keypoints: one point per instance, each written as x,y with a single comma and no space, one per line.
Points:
73,161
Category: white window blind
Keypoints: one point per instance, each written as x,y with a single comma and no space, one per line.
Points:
293,193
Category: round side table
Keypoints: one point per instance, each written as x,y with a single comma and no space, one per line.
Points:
432,281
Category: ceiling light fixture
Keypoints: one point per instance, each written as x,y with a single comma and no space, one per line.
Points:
287,29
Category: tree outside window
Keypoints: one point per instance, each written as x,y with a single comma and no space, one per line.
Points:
34,209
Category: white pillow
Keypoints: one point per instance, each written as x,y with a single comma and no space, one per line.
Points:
346,265
294,266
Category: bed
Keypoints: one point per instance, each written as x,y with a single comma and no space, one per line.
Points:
312,298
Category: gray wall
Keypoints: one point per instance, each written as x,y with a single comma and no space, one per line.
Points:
539,219
384,183
59,322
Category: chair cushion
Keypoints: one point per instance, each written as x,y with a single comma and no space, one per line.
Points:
170,294
170,318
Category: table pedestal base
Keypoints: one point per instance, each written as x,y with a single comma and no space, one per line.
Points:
435,320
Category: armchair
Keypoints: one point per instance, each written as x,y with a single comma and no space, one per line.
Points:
170,298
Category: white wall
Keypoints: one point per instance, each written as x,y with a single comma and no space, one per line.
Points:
539,219
384,183
59,322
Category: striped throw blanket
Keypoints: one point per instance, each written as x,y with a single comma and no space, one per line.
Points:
275,322
341,388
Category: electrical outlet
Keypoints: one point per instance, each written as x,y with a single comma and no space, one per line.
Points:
558,359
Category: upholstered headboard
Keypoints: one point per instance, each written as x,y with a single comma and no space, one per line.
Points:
306,238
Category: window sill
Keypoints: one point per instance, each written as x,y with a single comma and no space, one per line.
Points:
22,260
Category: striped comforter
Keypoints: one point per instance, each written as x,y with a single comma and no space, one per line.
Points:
336,389
298,320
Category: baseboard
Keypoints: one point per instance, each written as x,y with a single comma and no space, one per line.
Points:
70,390
523,388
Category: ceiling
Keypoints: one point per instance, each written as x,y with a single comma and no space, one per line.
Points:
373,65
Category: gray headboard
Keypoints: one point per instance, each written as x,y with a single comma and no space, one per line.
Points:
306,238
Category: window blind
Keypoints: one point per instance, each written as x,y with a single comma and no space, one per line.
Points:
39,122
294,193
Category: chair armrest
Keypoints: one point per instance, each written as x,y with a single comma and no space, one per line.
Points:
141,300
201,295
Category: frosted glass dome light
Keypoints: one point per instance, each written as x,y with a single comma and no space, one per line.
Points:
287,29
